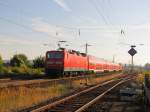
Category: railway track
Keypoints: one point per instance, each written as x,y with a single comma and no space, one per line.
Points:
81,101
112,101
7,83
4,80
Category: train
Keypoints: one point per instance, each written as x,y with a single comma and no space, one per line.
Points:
65,62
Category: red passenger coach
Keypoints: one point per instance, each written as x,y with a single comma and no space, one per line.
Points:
96,64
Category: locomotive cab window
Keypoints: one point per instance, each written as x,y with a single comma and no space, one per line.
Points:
56,55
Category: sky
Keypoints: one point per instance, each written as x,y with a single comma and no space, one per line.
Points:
33,27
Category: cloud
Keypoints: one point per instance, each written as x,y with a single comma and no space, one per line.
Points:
85,20
6,40
63,5
57,32
39,25
142,27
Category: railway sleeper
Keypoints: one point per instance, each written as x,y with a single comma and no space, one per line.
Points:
55,110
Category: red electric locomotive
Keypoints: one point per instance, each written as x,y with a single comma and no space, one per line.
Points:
64,61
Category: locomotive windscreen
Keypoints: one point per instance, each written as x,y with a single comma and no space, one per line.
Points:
56,55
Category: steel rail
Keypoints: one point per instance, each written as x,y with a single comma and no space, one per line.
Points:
69,97
48,106
100,96
18,83
38,82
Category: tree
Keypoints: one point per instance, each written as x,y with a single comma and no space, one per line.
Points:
1,62
18,60
39,62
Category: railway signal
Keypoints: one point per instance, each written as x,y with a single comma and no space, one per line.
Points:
132,52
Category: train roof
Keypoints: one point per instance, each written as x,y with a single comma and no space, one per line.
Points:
70,51
96,59
102,60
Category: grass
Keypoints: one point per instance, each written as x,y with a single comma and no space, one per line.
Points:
91,80
13,99
144,78
140,78
22,70
147,78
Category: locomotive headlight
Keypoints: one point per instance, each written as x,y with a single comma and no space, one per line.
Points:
50,62
58,62
54,62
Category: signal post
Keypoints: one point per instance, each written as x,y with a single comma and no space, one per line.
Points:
132,52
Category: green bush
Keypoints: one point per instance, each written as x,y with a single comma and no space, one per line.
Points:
26,70
1,64
1,70
15,70
39,62
19,60
23,70
6,70
36,71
